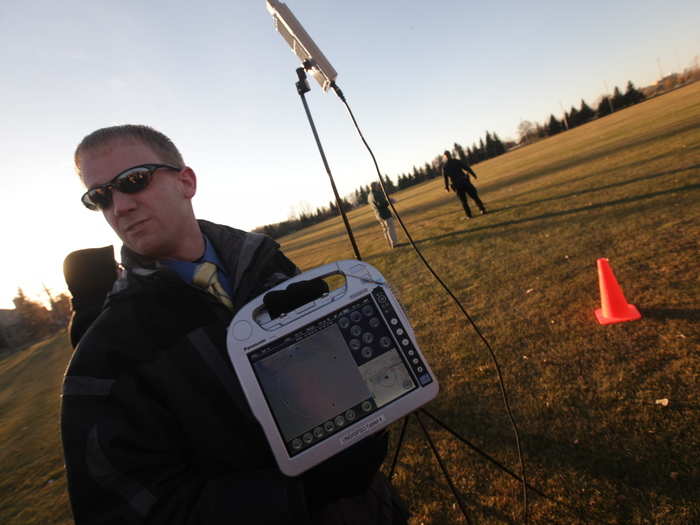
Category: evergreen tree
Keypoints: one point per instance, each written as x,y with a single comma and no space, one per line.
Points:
498,145
585,113
388,184
491,146
618,100
554,126
572,117
471,157
632,95
415,176
603,107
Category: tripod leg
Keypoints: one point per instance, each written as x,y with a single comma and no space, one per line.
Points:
398,447
444,470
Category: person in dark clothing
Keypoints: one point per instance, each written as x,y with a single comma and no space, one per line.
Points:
154,423
458,173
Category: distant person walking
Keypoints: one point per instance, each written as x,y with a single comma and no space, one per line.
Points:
382,211
456,171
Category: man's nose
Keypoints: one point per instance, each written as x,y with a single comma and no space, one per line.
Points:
122,203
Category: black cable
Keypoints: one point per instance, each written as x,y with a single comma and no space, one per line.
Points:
504,394
505,469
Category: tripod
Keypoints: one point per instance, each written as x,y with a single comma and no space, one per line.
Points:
302,88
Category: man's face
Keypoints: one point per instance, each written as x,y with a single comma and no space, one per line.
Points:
152,221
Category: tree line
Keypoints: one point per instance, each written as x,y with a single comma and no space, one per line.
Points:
529,132
488,147
32,320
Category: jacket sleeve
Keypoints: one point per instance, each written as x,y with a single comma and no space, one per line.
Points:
466,167
130,460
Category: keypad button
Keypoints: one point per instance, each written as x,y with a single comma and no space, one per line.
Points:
296,443
419,369
308,438
318,432
385,342
405,342
339,421
399,331
355,344
394,321
366,406
356,330
415,361
367,337
355,317
367,310
410,352
367,352
350,415
374,322
344,322
329,426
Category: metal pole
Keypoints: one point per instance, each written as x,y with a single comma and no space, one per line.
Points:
303,87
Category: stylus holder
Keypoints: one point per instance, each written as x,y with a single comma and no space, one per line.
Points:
332,371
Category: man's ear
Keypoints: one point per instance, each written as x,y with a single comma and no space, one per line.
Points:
188,181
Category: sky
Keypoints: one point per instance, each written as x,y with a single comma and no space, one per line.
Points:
217,79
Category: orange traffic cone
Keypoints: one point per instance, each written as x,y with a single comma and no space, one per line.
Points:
614,306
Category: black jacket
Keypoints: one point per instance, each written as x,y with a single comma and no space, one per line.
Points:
455,170
154,423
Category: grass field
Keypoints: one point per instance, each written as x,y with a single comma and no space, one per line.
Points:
626,187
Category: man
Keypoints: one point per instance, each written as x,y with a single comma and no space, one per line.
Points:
382,211
154,423
456,171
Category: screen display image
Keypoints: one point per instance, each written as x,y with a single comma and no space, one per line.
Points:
311,381
387,377
335,371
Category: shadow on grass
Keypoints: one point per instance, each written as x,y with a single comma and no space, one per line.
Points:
601,188
563,213
663,314
613,169
512,181
574,161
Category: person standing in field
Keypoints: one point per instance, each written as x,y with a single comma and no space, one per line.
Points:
458,172
382,211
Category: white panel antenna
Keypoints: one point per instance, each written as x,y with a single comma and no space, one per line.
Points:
301,43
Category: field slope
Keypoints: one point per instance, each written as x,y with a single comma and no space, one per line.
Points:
626,187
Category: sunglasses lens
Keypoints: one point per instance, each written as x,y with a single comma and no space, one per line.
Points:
133,181
98,199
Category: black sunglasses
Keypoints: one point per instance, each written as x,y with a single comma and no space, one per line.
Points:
132,180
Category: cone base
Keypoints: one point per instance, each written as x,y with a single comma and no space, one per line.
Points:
632,314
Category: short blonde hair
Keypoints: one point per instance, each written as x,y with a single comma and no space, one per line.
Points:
154,139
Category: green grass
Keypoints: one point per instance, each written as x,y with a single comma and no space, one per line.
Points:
626,187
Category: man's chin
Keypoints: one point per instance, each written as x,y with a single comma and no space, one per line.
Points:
144,247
